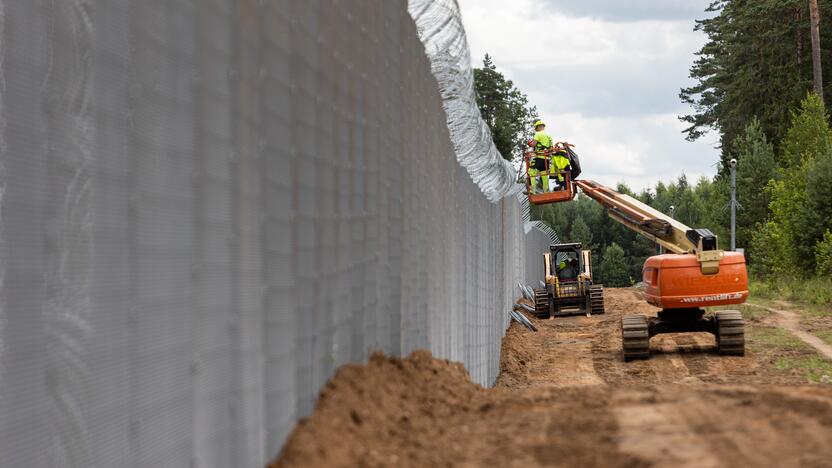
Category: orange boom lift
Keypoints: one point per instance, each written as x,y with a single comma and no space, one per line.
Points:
694,274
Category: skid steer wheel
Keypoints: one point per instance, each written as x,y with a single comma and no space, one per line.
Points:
596,299
541,303
730,337
635,335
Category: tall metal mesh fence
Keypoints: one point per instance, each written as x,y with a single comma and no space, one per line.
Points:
208,206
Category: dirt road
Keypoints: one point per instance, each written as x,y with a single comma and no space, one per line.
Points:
587,350
566,398
791,321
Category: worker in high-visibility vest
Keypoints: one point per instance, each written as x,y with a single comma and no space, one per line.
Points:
567,269
560,163
539,167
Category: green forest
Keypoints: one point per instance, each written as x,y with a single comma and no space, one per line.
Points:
754,88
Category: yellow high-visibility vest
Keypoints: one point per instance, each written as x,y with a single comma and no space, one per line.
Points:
543,140
560,162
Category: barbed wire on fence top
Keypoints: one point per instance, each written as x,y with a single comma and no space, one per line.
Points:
440,28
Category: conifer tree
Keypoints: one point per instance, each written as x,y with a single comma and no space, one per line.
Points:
504,108
756,166
613,269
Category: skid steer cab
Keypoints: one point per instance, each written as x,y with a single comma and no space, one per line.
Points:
545,182
570,288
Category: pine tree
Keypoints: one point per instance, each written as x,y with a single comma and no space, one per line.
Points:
756,166
637,253
817,68
792,232
713,196
613,271
756,63
809,134
504,108
816,217
580,232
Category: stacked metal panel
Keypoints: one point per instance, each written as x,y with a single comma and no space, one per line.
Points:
209,206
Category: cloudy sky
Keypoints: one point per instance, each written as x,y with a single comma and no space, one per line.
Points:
605,75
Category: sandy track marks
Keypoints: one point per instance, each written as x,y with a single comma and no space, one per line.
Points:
659,434
689,358
672,369
577,370
684,426
585,433
755,426
558,355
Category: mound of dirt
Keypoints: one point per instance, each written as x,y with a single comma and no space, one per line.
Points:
388,412
426,412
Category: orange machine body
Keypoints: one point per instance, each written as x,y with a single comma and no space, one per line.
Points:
674,281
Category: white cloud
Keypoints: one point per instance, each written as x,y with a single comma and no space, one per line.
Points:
609,85
524,37
631,9
615,150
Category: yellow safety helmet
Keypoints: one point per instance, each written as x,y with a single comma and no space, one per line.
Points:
539,123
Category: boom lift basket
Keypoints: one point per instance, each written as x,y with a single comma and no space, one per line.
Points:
567,192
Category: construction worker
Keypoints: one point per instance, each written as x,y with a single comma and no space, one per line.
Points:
575,267
538,165
567,269
560,163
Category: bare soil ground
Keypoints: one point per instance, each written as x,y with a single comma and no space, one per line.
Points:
566,398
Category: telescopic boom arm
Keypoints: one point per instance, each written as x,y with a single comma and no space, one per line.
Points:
656,226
